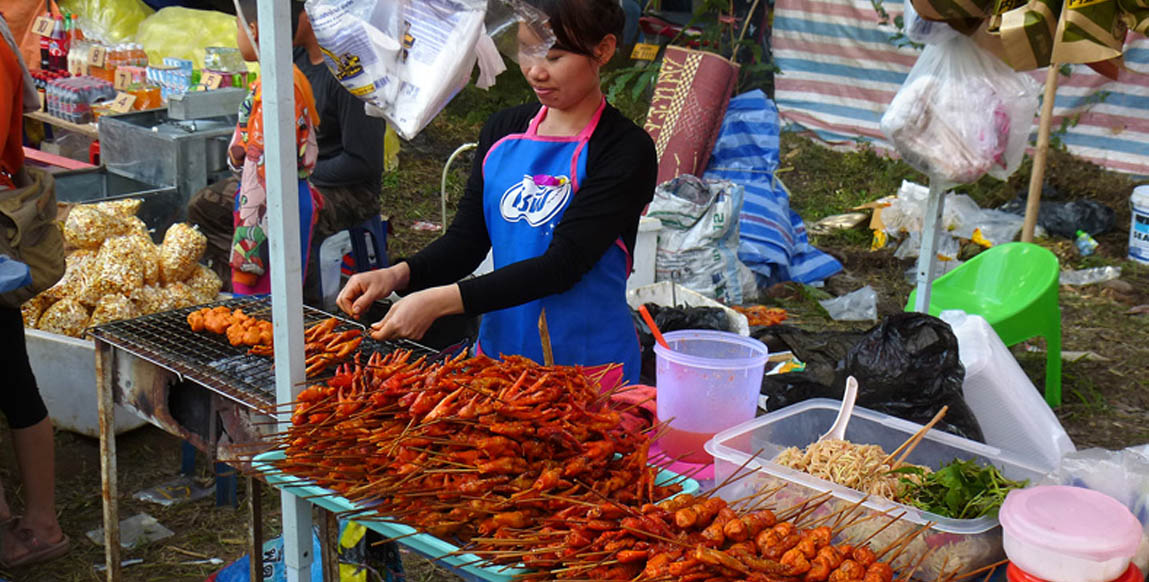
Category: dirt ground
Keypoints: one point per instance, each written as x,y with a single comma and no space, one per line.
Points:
1105,399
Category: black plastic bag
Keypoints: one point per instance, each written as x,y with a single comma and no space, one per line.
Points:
1064,219
821,351
670,319
906,366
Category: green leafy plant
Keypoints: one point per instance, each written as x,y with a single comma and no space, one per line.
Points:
959,490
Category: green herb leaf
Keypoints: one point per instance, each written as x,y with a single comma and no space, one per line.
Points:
958,490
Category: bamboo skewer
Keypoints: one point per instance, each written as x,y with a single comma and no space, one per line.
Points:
908,446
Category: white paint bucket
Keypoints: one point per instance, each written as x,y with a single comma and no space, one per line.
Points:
1139,225
645,245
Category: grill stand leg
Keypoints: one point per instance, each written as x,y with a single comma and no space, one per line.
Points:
105,380
255,529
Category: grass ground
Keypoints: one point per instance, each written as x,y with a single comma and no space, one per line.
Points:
1105,404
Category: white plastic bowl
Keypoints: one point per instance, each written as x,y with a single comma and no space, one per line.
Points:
1068,534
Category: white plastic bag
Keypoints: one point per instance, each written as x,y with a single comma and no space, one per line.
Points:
1122,475
860,305
698,243
924,31
1012,413
405,58
962,113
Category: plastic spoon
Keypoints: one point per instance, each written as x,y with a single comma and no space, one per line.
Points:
838,431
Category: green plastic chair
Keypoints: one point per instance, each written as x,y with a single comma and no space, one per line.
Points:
1014,286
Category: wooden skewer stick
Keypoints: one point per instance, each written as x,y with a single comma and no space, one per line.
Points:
545,338
917,564
907,447
990,568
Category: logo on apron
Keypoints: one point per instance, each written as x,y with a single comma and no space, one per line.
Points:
537,199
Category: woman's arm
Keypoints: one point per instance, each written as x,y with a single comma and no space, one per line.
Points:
622,171
459,251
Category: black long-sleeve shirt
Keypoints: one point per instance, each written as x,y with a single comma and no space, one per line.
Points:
621,172
350,142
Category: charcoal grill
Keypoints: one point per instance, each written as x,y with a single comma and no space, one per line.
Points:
197,387
165,340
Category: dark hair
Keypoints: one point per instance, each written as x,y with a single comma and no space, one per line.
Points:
250,10
579,25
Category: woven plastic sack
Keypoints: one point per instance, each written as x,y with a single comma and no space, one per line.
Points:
698,243
184,33
962,113
111,21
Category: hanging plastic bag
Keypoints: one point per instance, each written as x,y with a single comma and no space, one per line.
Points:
962,113
184,33
111,21
924,31
405,58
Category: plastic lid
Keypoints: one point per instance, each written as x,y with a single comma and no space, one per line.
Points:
1015,574
1071,520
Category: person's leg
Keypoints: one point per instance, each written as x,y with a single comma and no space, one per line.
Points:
36,455
211,210
33,441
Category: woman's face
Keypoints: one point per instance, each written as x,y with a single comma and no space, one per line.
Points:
561,79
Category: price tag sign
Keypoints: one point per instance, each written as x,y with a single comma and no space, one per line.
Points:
644,52
212,80
97,56
123,79
43,26
123,102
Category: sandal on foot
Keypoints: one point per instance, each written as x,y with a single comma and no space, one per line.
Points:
35,549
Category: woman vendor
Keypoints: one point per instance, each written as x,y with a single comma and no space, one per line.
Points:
556,190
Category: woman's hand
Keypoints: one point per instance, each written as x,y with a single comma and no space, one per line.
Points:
363,289
411,316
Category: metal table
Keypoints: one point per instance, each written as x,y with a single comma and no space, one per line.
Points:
195,386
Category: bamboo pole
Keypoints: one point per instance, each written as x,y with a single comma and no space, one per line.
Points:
1037,176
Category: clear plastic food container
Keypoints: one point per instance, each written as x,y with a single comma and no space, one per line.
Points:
958,545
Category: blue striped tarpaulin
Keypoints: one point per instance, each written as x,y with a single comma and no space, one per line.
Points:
840,69
773,240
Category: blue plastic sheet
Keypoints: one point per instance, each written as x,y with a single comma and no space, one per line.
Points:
773,237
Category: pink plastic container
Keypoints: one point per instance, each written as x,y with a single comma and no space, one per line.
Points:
1014,574
1068,534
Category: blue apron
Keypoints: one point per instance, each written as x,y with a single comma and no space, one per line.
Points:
528,182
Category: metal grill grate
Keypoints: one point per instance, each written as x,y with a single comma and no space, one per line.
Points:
208,359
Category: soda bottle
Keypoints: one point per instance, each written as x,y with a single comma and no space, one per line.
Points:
1085,243
77,32
45,48
57,46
